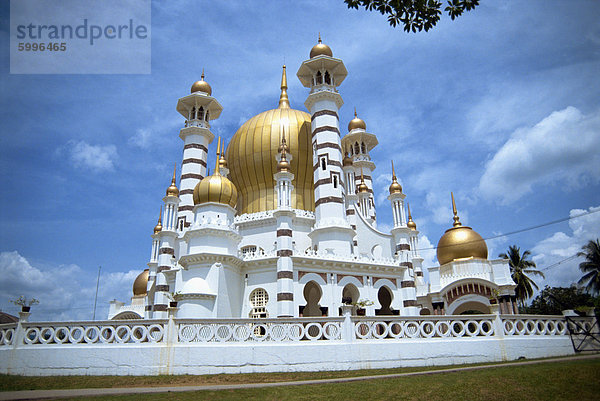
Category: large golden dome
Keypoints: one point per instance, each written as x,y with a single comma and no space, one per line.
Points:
460,242
251,157
140,283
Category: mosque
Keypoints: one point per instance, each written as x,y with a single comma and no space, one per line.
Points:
286,226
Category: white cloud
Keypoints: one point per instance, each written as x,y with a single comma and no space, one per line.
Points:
65,292
551,252
161,129
563,147
94,157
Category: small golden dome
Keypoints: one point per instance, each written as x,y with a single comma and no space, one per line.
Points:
362,187
173,190
460,242
347,160
395,187
141,283
158,226
411,224
216,188
222,160
356,123
201,86
320,49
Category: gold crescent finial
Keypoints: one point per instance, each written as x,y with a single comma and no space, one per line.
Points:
456,218
284,102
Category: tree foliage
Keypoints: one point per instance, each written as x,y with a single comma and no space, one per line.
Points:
415,15
520,268
591,266
553,300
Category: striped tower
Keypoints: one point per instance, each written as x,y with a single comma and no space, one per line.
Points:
152,266
198,108
283,215
358,143
401,234
166,251
322,74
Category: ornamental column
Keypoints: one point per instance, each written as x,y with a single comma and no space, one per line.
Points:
152,267
283,216
198,108
166,251
322,74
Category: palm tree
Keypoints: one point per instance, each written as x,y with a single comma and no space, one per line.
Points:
520,267
591,266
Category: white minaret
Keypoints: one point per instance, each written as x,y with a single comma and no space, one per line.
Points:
322,74
413,241
166,251
198,108
357,144
152,267
401,234
351,195
283,215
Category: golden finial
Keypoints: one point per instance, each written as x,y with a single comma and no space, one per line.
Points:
202,76
395,187
355,115
217,158
284,102
362,187
158,226
319,37
411,224
222,161
283,147
202,85
456,219
172,190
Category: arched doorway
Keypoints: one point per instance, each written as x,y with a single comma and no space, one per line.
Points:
471,308
312,295
384,295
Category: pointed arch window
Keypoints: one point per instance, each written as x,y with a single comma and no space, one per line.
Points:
327,78
319,78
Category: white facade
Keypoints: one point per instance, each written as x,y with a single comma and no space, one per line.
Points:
215,262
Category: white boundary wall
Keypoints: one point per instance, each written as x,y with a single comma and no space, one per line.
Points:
243,345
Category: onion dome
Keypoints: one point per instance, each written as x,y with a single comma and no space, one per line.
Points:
460,242
356,123
216,188
173,190
158,226
283,164
320,49
141,283
347,160
395,187
252,152
411,224
201,86
362,187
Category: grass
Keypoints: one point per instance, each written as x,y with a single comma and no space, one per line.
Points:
565,380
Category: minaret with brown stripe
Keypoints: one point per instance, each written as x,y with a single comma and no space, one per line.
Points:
323,74
198,108
166,250
284,215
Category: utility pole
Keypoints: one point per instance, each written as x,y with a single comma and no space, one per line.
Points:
96,297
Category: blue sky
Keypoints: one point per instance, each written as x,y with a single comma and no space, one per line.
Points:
501,106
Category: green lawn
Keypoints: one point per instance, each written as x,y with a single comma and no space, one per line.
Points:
565,380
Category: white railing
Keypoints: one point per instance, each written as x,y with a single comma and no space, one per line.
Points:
345,328
268,214
94,332
424,326
535,325
352,258
259,330
7,333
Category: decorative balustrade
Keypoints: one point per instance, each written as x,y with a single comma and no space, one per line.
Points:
346,328
310,253
539,325
94,332
268,214
7,333
261,330
423,327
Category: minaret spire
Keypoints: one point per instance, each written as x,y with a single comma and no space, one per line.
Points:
456,218
284,102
